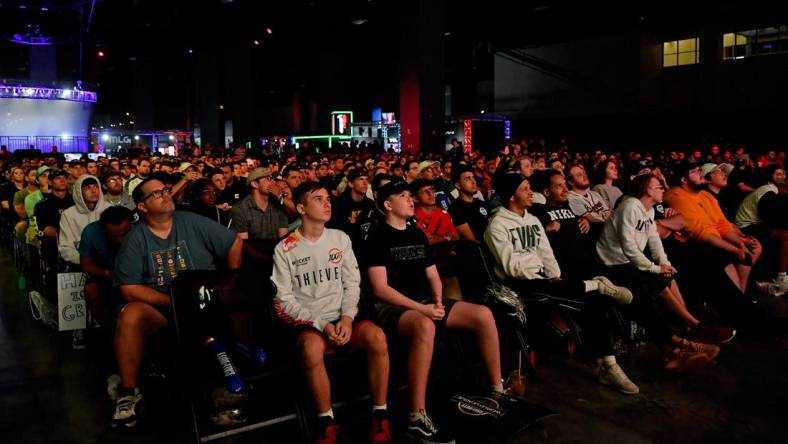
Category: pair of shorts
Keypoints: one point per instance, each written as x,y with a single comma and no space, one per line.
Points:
165,311
389,315
295,332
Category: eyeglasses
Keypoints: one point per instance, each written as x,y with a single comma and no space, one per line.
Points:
209,192
157,194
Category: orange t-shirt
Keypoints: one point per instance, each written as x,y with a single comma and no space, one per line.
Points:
702,213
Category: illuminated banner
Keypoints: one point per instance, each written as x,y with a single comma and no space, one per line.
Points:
47,93
340,122
467,135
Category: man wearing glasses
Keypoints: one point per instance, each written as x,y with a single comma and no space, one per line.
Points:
114,192
163,244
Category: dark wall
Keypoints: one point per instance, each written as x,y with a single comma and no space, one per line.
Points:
615,90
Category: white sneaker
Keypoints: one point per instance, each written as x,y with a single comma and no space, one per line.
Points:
621,295
782,282
613,375
772,288
127,410
113,381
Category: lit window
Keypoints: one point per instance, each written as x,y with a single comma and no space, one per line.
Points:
681,52
763,41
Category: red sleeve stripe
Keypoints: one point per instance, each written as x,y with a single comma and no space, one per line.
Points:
287,318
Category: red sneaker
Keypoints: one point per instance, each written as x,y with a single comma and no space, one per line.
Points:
379,432
327,430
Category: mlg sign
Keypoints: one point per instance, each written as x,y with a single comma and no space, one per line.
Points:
119,140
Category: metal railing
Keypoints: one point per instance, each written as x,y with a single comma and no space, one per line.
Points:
74,144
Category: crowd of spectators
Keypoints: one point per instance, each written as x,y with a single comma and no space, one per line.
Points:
665,238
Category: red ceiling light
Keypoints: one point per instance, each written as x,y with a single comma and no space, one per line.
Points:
100,54
269,31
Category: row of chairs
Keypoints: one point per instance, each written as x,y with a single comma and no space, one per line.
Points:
467,262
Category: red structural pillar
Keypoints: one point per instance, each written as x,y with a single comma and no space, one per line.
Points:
409,110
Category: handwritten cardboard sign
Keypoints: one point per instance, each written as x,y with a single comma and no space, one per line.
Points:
72,312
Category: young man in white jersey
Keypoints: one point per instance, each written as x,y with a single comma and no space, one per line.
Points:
317,282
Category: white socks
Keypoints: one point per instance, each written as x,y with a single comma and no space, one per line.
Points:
330,413
379,407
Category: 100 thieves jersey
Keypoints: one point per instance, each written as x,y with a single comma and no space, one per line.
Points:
316,282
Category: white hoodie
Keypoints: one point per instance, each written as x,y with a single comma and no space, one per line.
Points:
626,234
520,246
75,219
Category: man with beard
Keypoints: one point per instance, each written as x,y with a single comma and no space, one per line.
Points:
583,201
234,188
114,194
717,250
143,171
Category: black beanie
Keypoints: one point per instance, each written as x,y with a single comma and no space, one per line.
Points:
507,185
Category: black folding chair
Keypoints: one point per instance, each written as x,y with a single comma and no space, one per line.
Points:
187,290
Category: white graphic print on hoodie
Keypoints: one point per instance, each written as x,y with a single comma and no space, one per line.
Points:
520,246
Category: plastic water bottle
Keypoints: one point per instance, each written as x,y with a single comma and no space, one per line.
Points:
253,353
232,379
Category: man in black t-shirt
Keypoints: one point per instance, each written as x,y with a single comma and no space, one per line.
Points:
348,208
234,188
404,277
470,215
48,211
569,235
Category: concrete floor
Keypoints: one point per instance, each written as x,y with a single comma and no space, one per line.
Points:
50,393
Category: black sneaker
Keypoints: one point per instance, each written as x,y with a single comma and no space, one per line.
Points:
421,429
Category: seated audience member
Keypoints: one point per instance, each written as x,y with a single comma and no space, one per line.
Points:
406,282
717,246
114,192
292,179
317,294
18,200
433,221
42,178
762,214
621,247
142,173
258,216
202,201
513,225
716,177
606,178
234,189
48,211
374,217
348,208
584,202
98,248
470,215
88,206
16,183
216,176
163,244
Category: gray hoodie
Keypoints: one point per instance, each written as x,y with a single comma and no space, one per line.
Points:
75,219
